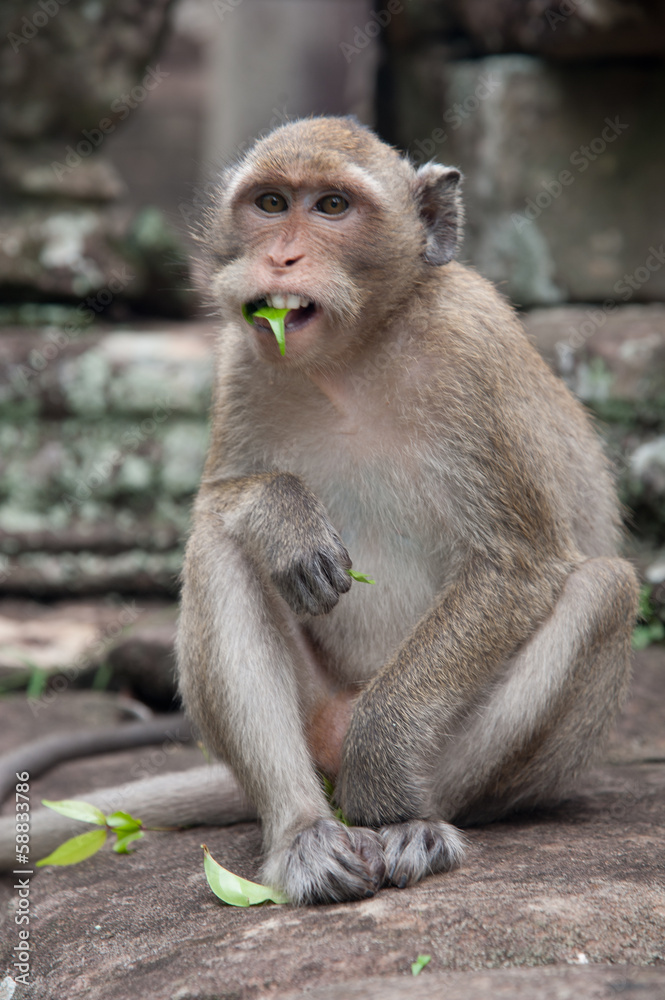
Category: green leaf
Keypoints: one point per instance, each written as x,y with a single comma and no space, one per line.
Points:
102,677
77,810
121,846
329,792
75,850
360,577
234,890
419,964
37,683
645,611
644,635
276,319
123,821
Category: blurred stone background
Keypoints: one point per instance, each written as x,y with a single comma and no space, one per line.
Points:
113,120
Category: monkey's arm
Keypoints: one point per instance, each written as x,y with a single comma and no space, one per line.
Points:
261,551
284,527
485,616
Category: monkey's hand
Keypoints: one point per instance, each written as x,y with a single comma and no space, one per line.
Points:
306,557
328,863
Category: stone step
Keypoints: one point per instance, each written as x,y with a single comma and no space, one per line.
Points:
71,640
567,902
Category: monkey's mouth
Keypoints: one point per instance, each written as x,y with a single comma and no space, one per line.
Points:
301,310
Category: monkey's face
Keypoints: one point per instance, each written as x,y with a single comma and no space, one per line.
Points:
305,251
323,219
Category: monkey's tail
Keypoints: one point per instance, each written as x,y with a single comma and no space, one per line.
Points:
207,795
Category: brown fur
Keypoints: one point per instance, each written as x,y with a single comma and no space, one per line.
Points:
412,428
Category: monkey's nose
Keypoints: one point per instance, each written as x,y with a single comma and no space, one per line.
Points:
285,262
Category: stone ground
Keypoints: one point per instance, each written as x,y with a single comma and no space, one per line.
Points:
566,903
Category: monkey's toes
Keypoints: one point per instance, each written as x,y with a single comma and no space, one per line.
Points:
329,863
418,848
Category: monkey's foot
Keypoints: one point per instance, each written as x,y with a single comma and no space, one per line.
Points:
329,863
418,848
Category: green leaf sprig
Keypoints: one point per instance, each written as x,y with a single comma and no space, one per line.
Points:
651,628
276,319
234,890
419,964
360,577
125,827
329,790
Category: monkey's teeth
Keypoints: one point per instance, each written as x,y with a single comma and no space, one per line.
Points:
289,301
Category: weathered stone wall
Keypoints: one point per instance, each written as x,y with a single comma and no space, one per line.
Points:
102,440
554,113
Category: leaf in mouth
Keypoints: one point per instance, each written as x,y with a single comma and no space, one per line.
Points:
276,319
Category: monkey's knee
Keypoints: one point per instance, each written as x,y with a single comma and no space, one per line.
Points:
607,591
542,724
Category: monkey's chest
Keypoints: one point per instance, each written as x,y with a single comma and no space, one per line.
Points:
391,535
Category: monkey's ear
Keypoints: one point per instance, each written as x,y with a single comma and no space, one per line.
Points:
440,206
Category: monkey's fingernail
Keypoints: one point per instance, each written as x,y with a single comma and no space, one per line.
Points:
370,893
402,883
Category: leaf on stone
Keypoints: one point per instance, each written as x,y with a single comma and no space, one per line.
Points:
75,850
233,889
82,811
419,964
121,846
122,821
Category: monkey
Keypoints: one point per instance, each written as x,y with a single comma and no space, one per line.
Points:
410,429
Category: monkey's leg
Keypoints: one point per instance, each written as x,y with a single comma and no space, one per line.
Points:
248,686
539,725
409,763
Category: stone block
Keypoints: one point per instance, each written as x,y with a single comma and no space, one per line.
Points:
563,903
563,28
103,437
556,158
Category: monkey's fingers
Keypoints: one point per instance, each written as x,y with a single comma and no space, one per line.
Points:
329,863
418,848
313,584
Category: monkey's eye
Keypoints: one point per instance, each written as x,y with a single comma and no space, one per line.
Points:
272,202
332,204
